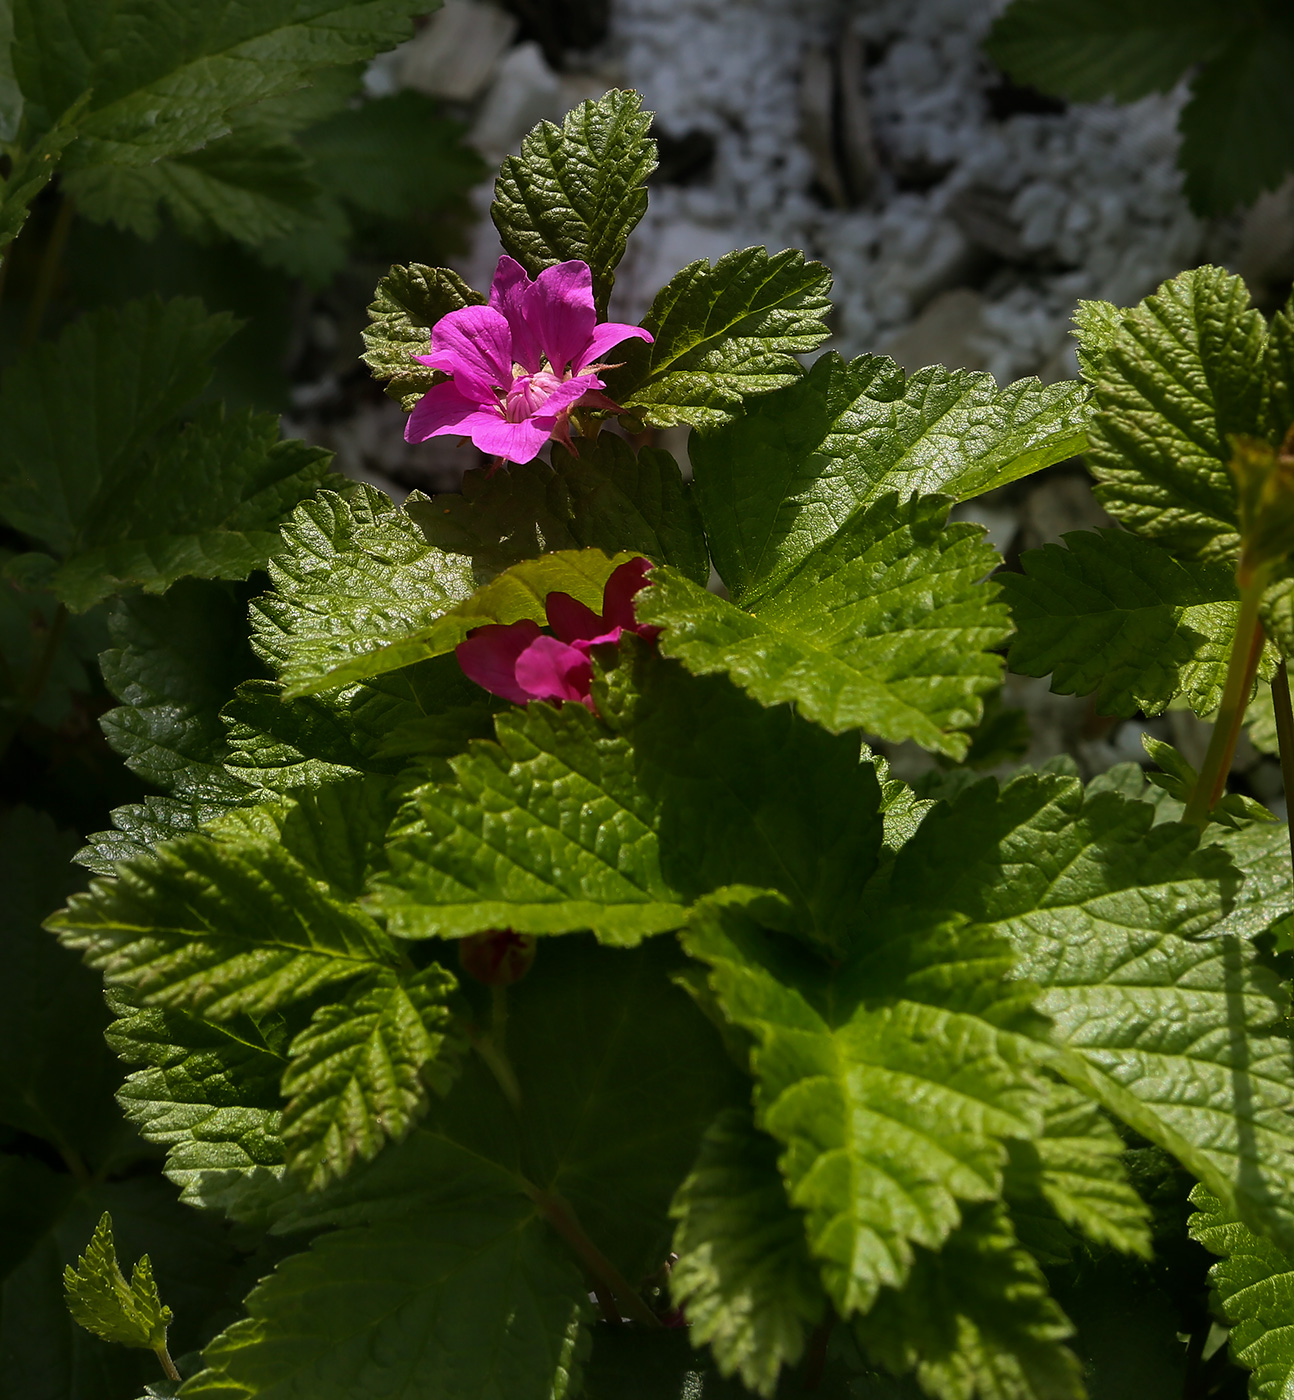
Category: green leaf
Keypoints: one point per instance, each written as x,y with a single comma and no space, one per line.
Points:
360,592
721,335
1115,616
208,505
165,80
1236,130
892,1116
1279,377
138,827
576,191
976,1320
101,1300
407,303
10,92
743,1273
478,1303
1182,372
56,1077
886,627
1075,1169
175,662
776,482
33,169
250,185
697,787
604,496
209,1093
1253,1292
1088,49
356,1073
79,413
220,927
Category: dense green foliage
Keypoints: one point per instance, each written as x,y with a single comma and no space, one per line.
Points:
813,1084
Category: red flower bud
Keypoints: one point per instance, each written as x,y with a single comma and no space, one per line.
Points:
498,958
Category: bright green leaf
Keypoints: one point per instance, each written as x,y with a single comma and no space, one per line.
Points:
721,335
1253,1290
101,1300
577,191
138,827
1115,616
743,1273
356,1073
886,627
780,480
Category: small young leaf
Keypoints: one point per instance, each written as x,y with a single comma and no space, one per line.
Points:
721,335
1116,616
1253,1292
775,482
407,303
886,627
743,1274
100,1299
356,1073
577,191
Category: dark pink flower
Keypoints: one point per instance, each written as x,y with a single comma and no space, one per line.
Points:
519,366
520,663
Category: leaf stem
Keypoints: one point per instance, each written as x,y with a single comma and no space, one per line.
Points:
560,1216
1246,649
1285,741
36,680
47,273
491,1046
164,1356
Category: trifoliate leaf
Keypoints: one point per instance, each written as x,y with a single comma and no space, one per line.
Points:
207,505
779,480
361,592
56,1077
698,787
220,927
476,1303
166,81
743,1274
80,413
1253,1292
723,334
1236,129
101,1300
886,626
356,1074
604,496
1180,375
1074,1168
892,1117
1089,49
250,185
407,303
209,1094
174,663
975,1319
1115,616
577,191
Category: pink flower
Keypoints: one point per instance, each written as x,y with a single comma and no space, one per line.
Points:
519,365
519,662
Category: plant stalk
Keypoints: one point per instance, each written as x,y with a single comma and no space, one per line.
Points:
47,274
1285,741
1246,649
164,1356
560,1216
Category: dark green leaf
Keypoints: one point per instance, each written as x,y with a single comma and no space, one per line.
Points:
407,303
577,191
778,481
138,827
723,334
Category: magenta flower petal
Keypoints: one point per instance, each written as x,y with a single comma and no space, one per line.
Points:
559,309
550,670
489,655
618,595
571,620
606,334
442,409
508,293
514,442
474,344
